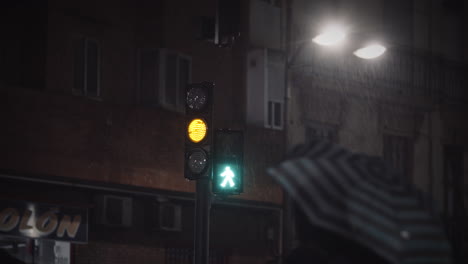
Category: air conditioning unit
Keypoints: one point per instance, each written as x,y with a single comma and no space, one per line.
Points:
170,217
114,210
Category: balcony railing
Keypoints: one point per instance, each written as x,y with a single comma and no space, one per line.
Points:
399,73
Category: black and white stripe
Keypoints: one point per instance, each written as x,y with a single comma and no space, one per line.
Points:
359,197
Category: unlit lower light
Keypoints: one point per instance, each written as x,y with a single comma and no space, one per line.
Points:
331,36
370,52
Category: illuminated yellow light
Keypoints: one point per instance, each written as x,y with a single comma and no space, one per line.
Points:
197,130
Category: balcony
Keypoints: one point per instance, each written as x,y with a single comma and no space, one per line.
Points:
403,75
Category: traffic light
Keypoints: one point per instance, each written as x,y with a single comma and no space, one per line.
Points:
198,115
228,169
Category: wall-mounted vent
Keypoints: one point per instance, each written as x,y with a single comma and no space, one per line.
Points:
170,217
115,210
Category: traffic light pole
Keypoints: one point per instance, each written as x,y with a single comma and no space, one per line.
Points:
202,221
198,160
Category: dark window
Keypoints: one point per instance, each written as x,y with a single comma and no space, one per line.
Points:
114,211
149,77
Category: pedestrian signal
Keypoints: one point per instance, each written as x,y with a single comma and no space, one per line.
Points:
228,162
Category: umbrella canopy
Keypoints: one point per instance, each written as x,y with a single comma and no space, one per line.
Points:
360,198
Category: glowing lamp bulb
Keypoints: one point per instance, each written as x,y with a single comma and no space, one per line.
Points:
370,52
330,36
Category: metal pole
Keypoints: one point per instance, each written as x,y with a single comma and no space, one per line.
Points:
202,221
286,221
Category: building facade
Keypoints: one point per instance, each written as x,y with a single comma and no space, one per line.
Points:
408,106
92,106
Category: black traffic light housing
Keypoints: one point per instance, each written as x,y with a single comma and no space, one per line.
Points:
228,163
199,130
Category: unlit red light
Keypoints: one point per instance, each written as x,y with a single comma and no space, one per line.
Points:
197,130
330,36
197,161
370,52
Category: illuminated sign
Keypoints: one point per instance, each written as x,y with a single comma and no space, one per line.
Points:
43,221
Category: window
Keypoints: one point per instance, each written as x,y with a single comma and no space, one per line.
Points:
397,153
275,115
87,67
163,76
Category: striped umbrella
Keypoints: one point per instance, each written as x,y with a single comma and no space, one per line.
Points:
360,198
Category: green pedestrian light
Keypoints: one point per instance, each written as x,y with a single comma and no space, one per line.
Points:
228,162
227,174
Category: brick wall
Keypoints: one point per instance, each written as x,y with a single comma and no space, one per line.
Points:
81,138
113,139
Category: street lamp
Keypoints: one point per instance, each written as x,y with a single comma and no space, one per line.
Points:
336,34
332,35
370,52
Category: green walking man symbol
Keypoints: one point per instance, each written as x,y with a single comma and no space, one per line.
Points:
228,174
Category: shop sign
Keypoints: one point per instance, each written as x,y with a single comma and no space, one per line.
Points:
37,220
